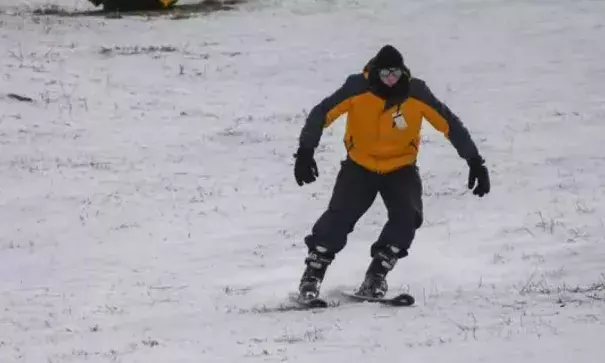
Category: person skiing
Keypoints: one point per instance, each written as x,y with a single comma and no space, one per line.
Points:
385,107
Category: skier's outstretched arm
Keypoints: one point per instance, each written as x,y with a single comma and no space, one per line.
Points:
445,121
328,110
320,117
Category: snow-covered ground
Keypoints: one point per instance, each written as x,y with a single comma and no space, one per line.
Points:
148,211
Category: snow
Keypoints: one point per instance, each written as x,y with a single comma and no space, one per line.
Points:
148,211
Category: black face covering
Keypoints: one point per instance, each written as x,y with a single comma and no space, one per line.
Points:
388,57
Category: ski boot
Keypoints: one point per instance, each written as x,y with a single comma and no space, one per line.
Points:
375,284
310,282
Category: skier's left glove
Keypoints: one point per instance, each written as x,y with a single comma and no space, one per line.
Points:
478,176
305,167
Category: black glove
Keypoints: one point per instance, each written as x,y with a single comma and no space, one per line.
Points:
305,167
478,173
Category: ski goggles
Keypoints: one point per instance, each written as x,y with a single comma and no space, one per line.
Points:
386,72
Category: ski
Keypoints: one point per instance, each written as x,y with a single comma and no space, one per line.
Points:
403,299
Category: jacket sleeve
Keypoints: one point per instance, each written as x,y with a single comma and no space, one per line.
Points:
328,110
445,121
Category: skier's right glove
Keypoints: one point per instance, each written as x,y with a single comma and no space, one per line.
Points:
478,177
305,167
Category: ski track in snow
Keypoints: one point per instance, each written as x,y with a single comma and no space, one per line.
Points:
149,214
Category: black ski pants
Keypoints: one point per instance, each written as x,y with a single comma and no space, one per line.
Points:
354,193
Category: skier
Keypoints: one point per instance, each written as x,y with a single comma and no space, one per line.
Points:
385,106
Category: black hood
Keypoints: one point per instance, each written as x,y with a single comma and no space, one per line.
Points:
388,57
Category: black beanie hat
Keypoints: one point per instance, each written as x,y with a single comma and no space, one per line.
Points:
388,57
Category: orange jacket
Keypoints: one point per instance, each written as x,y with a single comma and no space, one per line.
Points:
384,135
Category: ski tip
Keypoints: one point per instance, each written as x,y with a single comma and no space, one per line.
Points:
403,299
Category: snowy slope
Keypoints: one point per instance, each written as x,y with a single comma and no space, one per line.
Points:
148,211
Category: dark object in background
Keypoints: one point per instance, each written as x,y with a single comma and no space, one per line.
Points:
19,97
134,5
